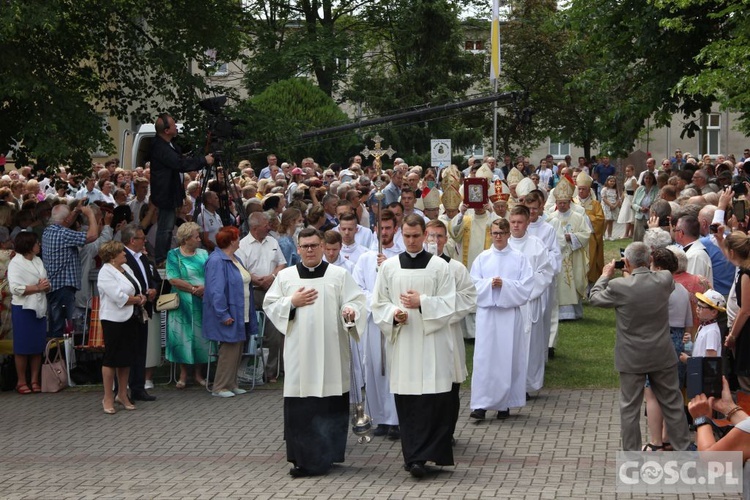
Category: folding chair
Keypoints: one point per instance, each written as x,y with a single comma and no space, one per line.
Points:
253,347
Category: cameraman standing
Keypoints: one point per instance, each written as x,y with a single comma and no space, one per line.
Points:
167,191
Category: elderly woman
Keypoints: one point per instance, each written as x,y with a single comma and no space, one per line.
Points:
644,196
693,283
120,310
27,280
228,310
186,274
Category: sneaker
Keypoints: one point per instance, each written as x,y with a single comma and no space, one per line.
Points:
149,384
223,394
237,391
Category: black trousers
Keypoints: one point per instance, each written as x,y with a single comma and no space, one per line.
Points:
137,378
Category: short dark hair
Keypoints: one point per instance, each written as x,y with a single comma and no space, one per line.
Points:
414,220
308,232
25,241
332,237
664,259
388,215
520,210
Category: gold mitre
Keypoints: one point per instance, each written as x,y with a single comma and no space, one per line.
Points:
584,179
451,199
525,187
564,189
485,172
514,176
432,199
450,176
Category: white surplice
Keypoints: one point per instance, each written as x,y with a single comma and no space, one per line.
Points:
533,311
420,351
498,380
466,303
317,360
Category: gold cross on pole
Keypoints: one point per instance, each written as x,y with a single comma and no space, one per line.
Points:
377,152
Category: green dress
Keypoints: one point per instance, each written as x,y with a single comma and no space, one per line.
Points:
185,342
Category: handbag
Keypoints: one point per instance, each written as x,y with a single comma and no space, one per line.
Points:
54,373
167,301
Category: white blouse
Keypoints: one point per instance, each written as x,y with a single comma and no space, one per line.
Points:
114,291
23,272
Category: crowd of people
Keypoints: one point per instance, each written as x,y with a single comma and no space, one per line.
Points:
375,278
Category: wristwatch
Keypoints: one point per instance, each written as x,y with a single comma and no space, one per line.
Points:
698,421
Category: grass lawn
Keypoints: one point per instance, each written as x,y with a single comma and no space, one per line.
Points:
584,358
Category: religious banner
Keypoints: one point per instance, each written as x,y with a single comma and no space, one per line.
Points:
475,192
440,152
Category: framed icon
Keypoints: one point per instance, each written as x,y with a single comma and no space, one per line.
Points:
475,192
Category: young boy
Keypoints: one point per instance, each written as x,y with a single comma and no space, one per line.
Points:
708,338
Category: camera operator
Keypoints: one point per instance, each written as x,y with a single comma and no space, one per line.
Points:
167,191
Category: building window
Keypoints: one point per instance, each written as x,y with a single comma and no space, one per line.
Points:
713,134
559,149
214,67
474,46
477,151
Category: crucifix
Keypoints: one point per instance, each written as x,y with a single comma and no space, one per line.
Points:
377,153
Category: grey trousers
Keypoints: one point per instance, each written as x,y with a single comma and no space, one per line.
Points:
664,383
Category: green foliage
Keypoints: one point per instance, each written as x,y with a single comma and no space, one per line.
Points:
288,38
278,115
414,59
67,65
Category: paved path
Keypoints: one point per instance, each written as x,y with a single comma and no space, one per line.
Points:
190,445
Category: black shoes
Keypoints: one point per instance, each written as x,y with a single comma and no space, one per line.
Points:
502,415
141,396
551,353
394,433
381,430
416,469
478,414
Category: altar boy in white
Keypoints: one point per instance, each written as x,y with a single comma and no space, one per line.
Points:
504,281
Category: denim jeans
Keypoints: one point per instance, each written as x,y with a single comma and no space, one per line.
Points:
62,297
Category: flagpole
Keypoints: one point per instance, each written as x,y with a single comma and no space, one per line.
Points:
495,66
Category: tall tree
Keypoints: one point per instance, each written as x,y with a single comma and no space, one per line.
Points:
295,38
278,115
414,59
637,57
65,64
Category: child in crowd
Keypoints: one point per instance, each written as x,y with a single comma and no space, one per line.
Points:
611,201
708,338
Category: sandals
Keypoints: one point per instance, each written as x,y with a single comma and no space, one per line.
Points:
180,384
35,387
23,389
653,447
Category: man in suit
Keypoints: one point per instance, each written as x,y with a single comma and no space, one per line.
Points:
134,238
643,346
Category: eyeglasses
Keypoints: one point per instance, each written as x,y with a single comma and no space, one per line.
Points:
497,234
309,247
678,229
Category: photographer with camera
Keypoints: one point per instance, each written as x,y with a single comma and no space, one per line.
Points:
167,192
643,346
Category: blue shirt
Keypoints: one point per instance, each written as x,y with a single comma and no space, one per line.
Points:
723,270
60,256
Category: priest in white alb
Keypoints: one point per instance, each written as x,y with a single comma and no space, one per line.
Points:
317,306
504,281
414,298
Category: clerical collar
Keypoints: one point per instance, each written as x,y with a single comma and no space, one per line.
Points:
414,261
687,247
312,272
414,255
